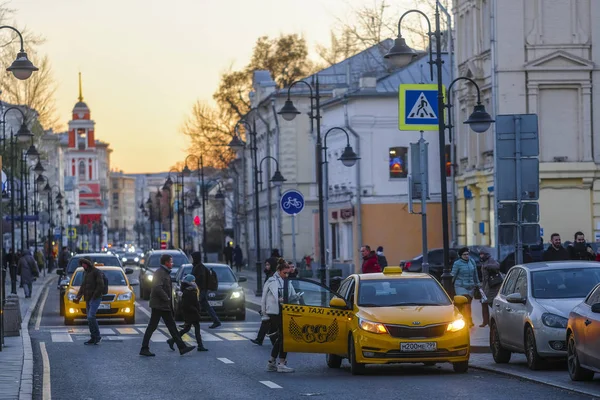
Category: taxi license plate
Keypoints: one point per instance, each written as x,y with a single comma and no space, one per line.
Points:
422,346
104,306
216,303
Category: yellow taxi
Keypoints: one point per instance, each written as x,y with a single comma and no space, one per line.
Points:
117,303
380,318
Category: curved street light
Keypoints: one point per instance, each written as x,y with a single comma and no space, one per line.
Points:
277,179
21,67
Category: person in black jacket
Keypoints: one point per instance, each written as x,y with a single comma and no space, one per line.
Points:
91,290
160,303
201,273
580,250
381,258
556,251
191,311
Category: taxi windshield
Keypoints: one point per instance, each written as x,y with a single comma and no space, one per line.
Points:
401,292
106,260
115,278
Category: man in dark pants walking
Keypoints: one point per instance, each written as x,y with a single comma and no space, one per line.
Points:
200,272
91,290
160,303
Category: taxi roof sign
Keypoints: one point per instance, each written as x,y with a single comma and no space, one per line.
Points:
392,270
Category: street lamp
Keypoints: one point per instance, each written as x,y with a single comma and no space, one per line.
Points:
187,172
349,158
21,67
401,55
277,179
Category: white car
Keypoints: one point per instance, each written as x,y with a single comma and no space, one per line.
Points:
530,313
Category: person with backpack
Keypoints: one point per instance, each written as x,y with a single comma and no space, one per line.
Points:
191,311
92,288
205,280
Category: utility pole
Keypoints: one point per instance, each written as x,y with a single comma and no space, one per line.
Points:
418,188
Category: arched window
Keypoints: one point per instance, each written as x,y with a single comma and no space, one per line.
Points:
81,170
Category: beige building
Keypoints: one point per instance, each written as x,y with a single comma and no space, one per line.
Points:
122,208
530,57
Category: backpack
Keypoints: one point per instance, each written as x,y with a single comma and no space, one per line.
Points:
213,281
105,279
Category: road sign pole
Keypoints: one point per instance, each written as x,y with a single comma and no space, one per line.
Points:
424,190
294,238
519,245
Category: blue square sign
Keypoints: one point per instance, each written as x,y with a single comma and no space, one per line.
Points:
418,107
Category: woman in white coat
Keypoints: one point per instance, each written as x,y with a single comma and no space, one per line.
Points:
272,297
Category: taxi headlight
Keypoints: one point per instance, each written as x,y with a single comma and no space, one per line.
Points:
456,326
71,296
237,294
149,277
124,259
136,259
124,296
372,327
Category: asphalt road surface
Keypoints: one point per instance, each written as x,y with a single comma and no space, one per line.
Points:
233,368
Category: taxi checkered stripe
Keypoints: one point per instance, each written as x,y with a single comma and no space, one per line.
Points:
294,308
337,313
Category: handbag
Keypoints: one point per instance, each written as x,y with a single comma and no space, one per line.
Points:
495,280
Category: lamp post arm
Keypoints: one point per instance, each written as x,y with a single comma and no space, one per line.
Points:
464,78
18,33
325,140
429,33
268,157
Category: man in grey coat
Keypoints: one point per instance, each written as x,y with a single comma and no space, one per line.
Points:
160,303
27,269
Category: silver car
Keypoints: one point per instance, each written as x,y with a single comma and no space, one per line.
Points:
530,313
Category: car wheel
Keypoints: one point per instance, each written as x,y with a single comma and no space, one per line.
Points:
69,321
355,367
576,371
500,354
130,320
534,361
461,367
333,361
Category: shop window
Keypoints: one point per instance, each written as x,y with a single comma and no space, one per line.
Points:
398,163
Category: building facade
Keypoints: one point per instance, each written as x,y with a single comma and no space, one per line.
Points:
530,57
122,208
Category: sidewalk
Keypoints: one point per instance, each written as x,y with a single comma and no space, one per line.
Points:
16,357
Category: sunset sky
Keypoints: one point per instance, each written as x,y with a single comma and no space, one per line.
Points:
145,62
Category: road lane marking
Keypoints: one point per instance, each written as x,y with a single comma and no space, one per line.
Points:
209,337
271,385
248,335
47,389
61,337
127,331
225,360
158,337
106,331
230,336
38,320
142,309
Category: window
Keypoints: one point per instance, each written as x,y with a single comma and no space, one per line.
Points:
335,246
82,171
342,291
116,224
398,163
521,284
594,297
115,198
313,294
115,184
398,292
114,277
509,283
568,283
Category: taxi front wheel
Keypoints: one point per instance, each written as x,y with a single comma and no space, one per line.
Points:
333,361
355,367
461,367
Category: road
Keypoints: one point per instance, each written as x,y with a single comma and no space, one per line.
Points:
233,368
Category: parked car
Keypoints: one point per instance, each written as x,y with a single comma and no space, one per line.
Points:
152,262
109,260
530,313
583,332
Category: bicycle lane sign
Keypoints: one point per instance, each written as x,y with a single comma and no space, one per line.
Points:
292,202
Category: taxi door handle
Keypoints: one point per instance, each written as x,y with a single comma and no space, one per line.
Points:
508,309
587,322
498,305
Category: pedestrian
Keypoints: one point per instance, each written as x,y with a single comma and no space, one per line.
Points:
238,258
63,258
228,253
556,251
91,289
271,264
381,258
370,264
466,281
580,250
191,311
202,275
293,270
272,298
39,259
491,279
28,271
160,304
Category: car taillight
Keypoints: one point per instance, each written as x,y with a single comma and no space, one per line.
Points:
407,265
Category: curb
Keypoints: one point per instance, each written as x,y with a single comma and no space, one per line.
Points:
535,380
26,387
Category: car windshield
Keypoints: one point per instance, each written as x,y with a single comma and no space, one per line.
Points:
401,292
106,260
568,283
115,278
224,274
185,271
178,260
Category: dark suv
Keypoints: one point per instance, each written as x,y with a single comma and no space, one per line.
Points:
152,262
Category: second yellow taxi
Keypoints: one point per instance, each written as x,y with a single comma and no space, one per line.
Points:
380,318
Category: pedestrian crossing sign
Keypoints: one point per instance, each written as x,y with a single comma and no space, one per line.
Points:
418,107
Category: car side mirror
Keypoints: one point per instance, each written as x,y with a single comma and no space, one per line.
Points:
128,271
460,300
242,279
338,302
596,308
64,283
60,271
515,298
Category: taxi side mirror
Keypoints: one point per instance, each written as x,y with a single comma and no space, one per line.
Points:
337,302
128,271
460,300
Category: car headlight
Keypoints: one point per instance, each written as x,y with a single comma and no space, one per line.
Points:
136,259
237,294
71,296
124,259
554,321
149,277
372,327
457,325
124,296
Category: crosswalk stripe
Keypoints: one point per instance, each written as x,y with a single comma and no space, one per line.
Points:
106,331
208,337
127,331
158,337
61,337
230,336
247,335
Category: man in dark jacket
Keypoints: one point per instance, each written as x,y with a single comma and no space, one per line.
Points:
160,303
27,269
228,253
381,259
238,258
579,250
370,264
201,273
91,290
556,251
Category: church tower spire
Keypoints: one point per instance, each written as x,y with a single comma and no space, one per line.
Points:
80,90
